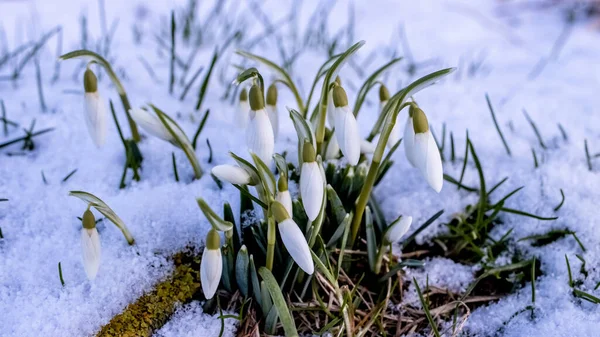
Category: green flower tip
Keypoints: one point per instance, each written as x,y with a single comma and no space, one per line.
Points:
213,240
272,95
257,101
340,98
308,152
282,184
279,212
88,221
338,80
90,82
244,95
420,123
384,93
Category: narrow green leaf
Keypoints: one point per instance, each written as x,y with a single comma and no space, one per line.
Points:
216,222
370,83
241,270
103,208
278,300
371,239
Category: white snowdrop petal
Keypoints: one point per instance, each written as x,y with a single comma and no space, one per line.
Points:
285,198
243,114
420,147
151,124
96,117
295,243
211,268
366,147
330,110
409,142
398,229
232,174
348,136
333,148
434,172
259,136
91,249
273,118
311,189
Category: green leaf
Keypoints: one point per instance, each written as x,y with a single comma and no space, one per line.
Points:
216,222
181,140
254,281
246,165
278,300
403,95
371,238
347,221
241,270
409,239
303,130
103,208
281,164
265,299
322,268
228,216
426,309
336,204
370,83
266,176
226,275
322,71
280,72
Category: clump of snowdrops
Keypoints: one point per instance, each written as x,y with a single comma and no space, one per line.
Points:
309,249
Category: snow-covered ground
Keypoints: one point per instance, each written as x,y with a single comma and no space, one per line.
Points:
39,222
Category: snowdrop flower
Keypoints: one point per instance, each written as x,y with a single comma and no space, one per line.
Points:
384,96
233,174
346,128
271,108
333,148
425,151
211,265
152,124
330,106
259,134
293,238
243,109
409,138
90,244
283,195
311,182
95,109
397,229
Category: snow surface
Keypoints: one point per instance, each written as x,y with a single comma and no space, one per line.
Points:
39,221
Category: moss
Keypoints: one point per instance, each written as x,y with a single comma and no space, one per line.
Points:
152,310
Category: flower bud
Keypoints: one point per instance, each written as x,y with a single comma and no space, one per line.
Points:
257,101
211,266
384,94
95,109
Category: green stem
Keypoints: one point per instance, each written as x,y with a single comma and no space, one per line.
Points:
320,134
379,259
365,192
270,242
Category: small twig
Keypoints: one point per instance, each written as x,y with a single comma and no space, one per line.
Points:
60,275
210,156
535,129
200,127
587,155
175,167
562,201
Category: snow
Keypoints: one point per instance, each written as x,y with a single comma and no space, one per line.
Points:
191,321
39,221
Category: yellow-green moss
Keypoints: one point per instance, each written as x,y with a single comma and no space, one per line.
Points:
152,310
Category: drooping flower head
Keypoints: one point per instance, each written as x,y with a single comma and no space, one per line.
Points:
90,245
259,134
293,238
271,108
311,182
233,174
95,109
346,128
397,229
425,152
211,265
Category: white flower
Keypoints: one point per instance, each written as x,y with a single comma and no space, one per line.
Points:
409,141
90,245
232,174
311,183
211,265
259,134
293,238
273,118
271,108
295,243
366,147
426,153
243,110
285,199
152,124
95,109
333,149
330,110
346,127
397,229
